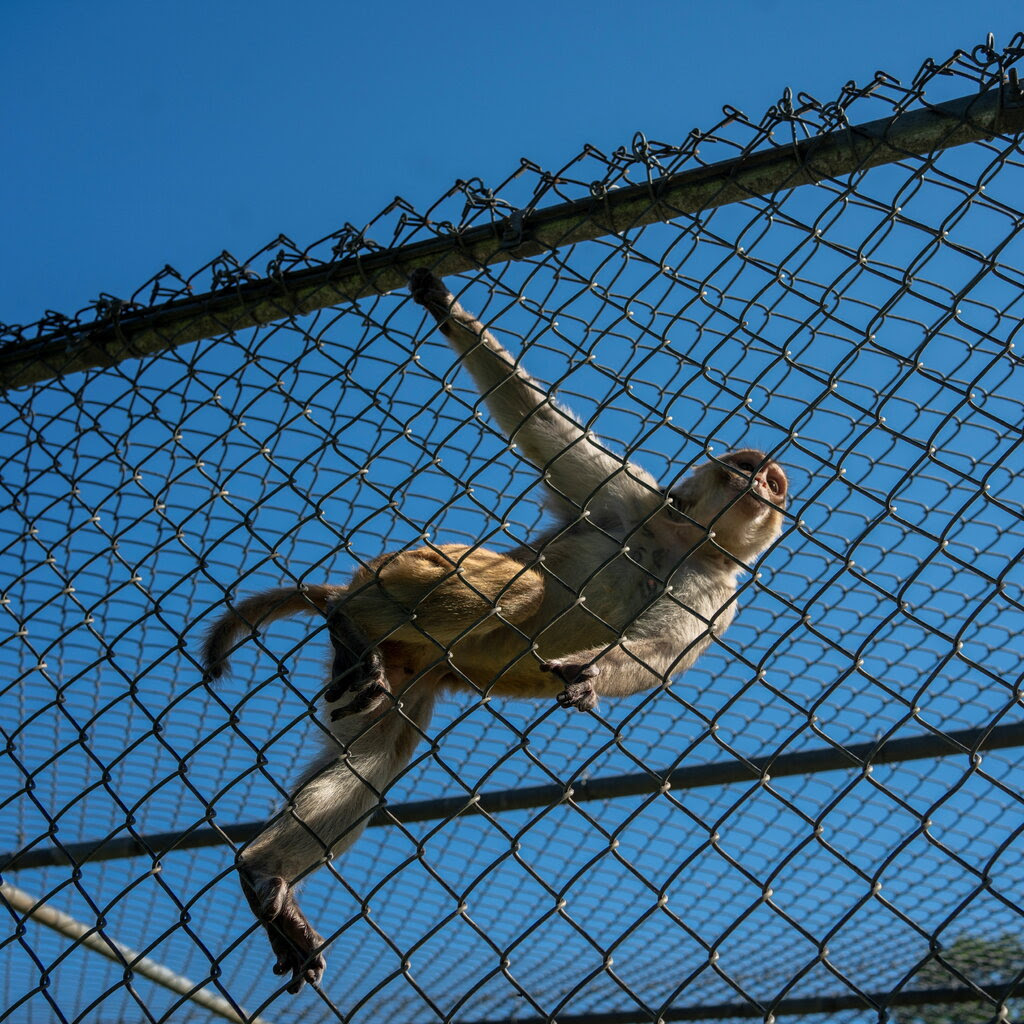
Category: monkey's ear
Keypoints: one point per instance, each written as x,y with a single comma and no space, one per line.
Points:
687,493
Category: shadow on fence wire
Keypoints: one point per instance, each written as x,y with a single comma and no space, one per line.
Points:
821,818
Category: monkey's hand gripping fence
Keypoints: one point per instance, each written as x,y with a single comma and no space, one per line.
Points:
822,819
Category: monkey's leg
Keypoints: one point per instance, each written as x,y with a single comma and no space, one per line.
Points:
324,816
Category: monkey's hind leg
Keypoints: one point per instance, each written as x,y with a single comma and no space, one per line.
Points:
358,683
328,809
324,815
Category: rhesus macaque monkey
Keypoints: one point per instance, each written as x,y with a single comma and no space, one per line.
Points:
625,590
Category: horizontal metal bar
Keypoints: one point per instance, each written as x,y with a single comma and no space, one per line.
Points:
859,756
134,333
797,1007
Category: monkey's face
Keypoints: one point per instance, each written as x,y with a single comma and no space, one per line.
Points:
761,481
739,498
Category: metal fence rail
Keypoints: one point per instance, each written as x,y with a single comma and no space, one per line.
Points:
125,332
823,818
860,756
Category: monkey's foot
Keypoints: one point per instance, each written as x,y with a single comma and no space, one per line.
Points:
357,672
293,940
295,943
579,692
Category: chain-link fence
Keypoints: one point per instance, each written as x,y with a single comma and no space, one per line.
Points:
821,819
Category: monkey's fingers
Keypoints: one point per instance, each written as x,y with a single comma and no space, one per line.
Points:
581,696
579,692
430,292
351,672
302,969
296,944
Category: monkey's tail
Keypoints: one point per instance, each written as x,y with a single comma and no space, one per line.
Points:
257,611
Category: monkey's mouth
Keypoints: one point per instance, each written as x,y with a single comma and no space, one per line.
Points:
752,496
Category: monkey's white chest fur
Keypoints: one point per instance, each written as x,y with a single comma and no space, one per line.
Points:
606,583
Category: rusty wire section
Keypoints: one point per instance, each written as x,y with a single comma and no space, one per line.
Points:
863,329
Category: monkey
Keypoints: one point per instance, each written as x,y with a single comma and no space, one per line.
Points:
624,590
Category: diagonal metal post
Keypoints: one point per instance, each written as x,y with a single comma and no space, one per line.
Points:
94,939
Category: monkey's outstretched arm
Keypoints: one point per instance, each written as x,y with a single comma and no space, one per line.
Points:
621,670
576,466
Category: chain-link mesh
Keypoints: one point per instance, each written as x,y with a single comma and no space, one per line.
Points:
842,838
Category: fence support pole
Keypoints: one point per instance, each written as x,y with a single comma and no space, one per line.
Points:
855,756
95,940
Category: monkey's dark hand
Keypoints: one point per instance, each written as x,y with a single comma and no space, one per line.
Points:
430,292
579,691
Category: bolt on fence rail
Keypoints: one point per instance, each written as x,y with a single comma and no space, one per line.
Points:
822,816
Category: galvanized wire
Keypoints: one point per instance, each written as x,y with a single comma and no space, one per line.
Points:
862,327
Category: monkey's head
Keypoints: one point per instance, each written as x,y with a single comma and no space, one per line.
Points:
739,498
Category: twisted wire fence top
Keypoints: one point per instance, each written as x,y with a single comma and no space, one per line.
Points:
862,329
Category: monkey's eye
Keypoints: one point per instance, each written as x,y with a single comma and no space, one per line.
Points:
773,486
747,467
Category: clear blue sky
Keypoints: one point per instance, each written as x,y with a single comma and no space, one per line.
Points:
138,134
